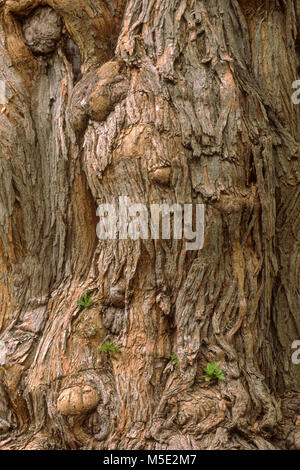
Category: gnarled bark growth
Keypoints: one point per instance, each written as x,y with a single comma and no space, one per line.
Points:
161,101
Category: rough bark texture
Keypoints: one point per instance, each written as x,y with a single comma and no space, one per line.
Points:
162,101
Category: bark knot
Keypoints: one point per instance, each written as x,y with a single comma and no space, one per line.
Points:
77,400
42,30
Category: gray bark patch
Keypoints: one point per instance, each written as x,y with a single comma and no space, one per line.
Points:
42,30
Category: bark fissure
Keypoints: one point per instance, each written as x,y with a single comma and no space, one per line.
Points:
162,102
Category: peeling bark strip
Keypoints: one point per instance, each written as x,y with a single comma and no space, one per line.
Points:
193,94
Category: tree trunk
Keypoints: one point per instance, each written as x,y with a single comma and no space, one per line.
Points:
163,101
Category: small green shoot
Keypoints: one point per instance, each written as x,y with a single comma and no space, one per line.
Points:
175,361
85,302
213,372
107,347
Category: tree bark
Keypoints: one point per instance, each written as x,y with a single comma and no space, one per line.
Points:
169,101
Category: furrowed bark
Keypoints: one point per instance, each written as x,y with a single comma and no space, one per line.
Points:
164,102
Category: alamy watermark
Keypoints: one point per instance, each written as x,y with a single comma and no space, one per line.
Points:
126,220
296,94
2,353
2,92
296,354
296,343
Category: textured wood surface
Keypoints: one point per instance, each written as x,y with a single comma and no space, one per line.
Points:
162,101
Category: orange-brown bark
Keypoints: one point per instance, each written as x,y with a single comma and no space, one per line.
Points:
177,102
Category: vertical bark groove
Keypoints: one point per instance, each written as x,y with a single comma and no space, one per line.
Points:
161,101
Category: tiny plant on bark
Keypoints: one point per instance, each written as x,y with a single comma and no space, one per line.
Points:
175,361
213,372
107,347
85,302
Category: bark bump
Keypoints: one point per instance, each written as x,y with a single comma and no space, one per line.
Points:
42,30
